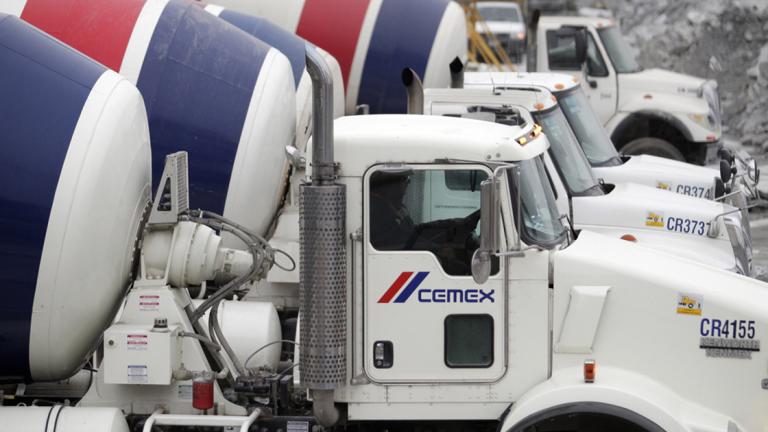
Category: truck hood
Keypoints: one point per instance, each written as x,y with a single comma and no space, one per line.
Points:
642,207
657,172
664,317
661,81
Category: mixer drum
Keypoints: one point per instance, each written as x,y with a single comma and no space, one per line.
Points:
373,40
75,174
225,97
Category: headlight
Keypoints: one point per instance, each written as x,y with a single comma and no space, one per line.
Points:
707,121
742,249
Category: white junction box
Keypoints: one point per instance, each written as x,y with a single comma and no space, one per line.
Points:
138,355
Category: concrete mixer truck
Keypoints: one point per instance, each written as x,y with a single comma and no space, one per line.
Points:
437,322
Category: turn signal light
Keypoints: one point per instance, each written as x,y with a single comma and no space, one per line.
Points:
590,369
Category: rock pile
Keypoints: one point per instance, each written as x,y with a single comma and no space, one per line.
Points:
725,39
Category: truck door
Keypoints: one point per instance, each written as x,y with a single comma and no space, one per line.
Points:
425,319
601,83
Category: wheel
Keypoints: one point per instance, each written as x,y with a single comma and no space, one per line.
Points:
652,146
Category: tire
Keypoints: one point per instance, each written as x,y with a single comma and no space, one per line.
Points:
652,146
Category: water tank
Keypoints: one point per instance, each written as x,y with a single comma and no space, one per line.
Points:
75,175
210,89
249,326
292,47
373,40
62,419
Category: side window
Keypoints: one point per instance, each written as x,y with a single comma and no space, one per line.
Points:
595,64
468,341
561,51
428,210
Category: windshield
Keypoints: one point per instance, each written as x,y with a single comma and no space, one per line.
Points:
586,126
541,224
568,156
493,13
618,50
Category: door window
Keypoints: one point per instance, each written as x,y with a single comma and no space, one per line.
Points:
427,210
561,51
468,341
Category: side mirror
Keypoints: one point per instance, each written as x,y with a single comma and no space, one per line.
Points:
725,171
489,230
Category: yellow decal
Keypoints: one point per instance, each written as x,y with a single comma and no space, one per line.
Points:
689,304
662,185
654,220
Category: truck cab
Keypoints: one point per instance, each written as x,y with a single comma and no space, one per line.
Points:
653,111
669,222
430,342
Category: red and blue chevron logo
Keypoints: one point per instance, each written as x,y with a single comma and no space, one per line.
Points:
397,287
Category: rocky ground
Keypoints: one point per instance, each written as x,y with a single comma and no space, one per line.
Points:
722,39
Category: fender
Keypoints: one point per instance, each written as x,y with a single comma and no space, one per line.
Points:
616,392
622,120
668,107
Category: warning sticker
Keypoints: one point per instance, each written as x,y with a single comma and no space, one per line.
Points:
689,304
149,302
185,391
662,185
655,220
137,342
137,374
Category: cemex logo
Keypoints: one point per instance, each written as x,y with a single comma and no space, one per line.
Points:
428,295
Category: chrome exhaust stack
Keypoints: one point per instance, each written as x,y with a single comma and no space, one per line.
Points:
415,91
322,279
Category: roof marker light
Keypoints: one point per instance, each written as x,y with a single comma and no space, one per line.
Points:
538,105
629,238
559,86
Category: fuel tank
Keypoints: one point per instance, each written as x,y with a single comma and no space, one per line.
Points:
373,40
75,174
225,97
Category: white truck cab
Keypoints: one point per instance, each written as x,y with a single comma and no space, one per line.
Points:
657,218
559,332
652,111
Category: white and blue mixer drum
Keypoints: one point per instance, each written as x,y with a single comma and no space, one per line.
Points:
225,97
75,174
373,40
294,48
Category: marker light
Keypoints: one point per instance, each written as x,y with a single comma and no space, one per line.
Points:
590,369
647,96
531,136
538,105
559,86
629,238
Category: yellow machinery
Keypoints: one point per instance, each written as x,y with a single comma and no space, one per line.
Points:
483,45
